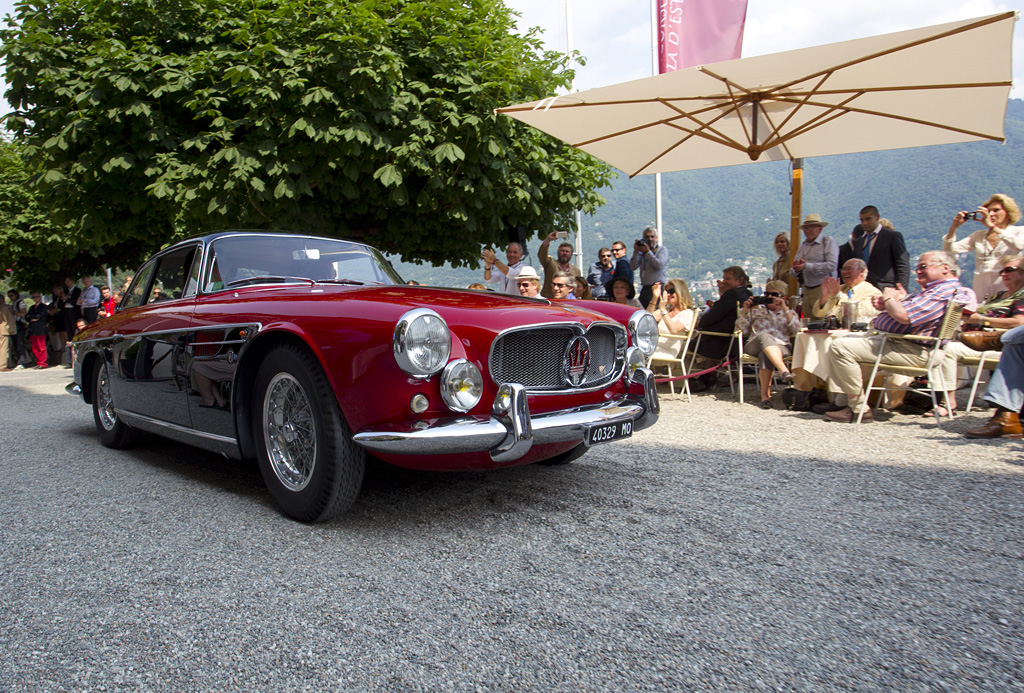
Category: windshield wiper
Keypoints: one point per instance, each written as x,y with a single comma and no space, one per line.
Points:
266,278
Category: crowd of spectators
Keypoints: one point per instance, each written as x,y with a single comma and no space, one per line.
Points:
36,333
862,285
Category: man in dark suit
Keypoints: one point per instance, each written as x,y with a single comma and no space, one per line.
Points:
721,317
882,248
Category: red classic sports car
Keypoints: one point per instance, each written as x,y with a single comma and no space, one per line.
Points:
309,353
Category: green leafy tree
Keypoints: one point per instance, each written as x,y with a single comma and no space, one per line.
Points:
152,120
35,253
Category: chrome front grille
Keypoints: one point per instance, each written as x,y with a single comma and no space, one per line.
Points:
534,356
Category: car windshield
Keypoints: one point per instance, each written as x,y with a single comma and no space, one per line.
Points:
267,259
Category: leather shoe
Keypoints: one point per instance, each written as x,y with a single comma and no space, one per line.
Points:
982,341
846,415
1003,424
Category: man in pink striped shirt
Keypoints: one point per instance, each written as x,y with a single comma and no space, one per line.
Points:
919,313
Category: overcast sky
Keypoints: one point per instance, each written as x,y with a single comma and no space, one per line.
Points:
615,35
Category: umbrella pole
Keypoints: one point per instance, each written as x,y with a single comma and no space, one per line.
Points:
794,216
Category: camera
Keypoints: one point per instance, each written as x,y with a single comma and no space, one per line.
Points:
977,216
761,300
641,241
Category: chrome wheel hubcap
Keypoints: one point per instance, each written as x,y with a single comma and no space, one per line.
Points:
289,431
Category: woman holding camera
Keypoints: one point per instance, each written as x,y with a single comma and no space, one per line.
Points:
768,325
997,239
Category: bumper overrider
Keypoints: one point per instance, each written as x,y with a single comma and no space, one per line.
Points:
510,431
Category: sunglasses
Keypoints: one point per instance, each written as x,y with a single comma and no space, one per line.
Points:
670,291
773,294
524,283
560,285
605,255
925,265
1008,270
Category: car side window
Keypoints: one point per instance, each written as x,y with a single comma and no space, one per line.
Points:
174,278
137,291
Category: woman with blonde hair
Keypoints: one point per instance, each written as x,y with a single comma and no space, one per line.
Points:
780,269
673,307
998,238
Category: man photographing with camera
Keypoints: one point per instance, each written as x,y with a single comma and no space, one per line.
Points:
652,261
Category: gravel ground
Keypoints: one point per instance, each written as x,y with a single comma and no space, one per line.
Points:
727,548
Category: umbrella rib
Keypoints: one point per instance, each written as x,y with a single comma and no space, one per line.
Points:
789,116
907,87
894,49
864,111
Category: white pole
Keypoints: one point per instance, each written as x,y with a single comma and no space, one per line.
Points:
654,71
579,214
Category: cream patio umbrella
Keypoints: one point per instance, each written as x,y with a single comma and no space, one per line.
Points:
937,85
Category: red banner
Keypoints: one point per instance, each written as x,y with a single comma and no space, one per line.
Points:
699,32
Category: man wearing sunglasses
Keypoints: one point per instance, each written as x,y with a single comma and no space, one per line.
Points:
528,282
602,271
900,313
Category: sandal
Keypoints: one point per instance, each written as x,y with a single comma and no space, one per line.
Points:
941,409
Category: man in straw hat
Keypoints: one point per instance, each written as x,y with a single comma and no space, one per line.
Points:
528,282
816,259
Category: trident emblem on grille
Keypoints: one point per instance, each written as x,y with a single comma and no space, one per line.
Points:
576,361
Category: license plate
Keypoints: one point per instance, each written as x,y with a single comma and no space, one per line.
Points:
606,433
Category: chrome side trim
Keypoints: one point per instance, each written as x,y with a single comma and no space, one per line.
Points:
207,441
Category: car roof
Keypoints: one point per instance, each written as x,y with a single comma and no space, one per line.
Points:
210,237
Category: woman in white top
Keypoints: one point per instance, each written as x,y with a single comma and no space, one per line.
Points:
997,239
672,307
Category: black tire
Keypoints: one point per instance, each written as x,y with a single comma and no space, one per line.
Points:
306,455
114,433
566,457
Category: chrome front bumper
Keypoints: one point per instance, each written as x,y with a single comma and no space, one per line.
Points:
510,431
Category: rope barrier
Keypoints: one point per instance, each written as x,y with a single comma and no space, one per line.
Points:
724,364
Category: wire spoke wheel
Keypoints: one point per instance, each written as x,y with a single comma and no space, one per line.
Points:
114,432
289,431
312,468
106,414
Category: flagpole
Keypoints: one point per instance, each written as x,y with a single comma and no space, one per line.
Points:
579,214
654,71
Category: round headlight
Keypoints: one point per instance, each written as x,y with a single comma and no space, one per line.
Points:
643,328
461,385
421,343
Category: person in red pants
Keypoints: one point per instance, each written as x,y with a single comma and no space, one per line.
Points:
38,328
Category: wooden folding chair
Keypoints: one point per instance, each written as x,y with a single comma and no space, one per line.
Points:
733,336
985,360
677,344
936,354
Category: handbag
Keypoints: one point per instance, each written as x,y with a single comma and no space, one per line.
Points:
983,340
